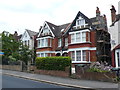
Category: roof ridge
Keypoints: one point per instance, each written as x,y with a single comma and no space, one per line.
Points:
50,23
63,24
30,30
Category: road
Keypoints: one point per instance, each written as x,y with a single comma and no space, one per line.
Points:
15,82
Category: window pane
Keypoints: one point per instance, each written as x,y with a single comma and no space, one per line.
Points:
46,54
46,42
84,55
80,22
66,41
59,42
42,54
73,56
78,55
72,38
42,42
38,43
77,37
83,36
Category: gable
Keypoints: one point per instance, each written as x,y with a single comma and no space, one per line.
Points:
45,30
25,36
79,20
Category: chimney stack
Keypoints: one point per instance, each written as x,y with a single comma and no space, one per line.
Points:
97,12
113,13
104,16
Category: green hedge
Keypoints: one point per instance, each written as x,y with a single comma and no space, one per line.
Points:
53,63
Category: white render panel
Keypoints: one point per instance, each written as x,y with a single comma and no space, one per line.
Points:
84,48
115,34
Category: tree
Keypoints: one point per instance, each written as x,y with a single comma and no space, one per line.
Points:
14,50
9,46
25,54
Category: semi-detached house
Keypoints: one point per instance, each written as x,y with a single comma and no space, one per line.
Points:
78,39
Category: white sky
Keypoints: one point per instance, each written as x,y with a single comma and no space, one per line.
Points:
18,15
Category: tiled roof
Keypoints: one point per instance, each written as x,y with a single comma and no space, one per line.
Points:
56,29
31,33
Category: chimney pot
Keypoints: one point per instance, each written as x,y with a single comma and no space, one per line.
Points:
113,13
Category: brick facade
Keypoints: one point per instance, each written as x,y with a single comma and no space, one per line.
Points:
81,44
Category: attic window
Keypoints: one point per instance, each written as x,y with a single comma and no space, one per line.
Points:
80,22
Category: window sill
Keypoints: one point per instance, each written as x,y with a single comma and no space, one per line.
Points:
81,62
79,43
44,47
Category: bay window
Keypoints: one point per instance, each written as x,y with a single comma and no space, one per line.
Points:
43,42
79,56
79,37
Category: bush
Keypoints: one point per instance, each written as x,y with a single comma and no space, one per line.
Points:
53,63
96,70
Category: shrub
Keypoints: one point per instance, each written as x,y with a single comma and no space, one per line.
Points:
96,70
53,63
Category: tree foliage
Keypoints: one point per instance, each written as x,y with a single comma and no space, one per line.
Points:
14,50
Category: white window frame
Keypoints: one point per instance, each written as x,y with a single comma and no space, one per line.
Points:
74,37
82,57
45,43
44,54
81,22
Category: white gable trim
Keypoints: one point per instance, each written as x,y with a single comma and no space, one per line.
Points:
48,28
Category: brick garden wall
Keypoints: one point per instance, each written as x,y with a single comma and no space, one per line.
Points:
81,73
11,67
65,73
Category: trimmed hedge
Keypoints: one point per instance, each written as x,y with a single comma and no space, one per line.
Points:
53,63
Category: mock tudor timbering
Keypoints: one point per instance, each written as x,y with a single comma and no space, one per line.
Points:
79,39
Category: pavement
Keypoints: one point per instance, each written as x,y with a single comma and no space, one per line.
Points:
75,83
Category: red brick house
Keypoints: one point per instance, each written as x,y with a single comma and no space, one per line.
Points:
78,39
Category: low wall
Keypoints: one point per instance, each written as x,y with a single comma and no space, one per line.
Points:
106,76
81,73
33,69
11,67
65,73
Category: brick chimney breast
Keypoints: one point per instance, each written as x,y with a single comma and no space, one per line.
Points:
113,14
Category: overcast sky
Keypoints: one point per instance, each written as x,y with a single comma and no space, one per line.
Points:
18,15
